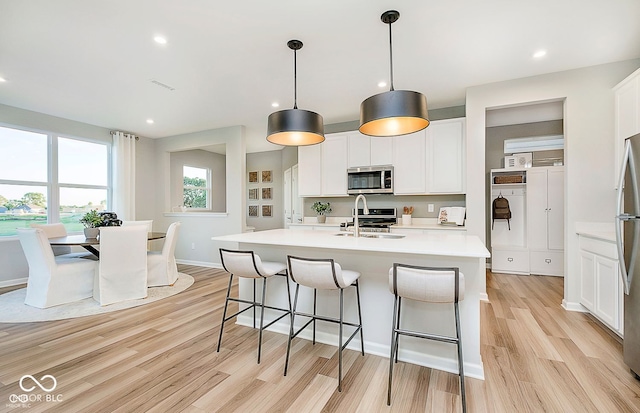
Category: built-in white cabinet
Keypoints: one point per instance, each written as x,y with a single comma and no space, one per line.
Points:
334,165
319,227
292,201
409,164
431,161
627,115
310,170
445,156
359,149
600,284
322,168
533,241
545,219
381,150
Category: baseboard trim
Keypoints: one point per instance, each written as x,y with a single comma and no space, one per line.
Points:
200,263
475,371
11,283
571,306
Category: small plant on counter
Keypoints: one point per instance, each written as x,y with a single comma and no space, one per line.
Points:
91,219
321,208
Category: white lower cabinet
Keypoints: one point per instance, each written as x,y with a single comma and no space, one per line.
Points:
319,227
546,262
600,285
510,260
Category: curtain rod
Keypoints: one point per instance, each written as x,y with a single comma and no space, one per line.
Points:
113,132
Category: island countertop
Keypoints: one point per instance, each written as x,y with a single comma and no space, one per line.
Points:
443,244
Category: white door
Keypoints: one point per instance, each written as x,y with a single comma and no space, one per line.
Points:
296,201
537,208
288,204
555,208
587,280
381,150
359,150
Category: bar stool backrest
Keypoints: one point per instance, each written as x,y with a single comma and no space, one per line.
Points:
429,284
323,274
242,263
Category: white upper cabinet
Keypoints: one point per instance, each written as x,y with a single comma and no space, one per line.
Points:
627,115
381,150
359,150
409,164
310,170
431,161
445,156
335,159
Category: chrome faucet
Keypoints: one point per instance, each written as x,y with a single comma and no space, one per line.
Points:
356,224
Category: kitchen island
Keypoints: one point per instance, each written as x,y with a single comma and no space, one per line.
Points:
373,257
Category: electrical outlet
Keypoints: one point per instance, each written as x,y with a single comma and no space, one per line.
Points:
193,245
430,207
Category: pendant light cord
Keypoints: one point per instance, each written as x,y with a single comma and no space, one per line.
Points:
391,56
295,81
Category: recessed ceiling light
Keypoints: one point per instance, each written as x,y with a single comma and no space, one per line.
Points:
149,121
275,105
2,79
539,54
382,84
160,40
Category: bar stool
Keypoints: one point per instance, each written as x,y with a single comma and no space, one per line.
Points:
323,274
428,284
247,264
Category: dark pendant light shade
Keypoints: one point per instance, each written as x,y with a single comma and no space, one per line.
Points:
396,112
295,127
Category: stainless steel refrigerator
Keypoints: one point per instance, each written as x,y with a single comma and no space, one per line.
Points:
628,239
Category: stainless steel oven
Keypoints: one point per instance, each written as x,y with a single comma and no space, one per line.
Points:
370,180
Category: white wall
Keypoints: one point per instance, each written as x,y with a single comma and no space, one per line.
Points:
13,264
267,161
589,171
194,241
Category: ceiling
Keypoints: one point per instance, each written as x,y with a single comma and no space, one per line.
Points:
94,62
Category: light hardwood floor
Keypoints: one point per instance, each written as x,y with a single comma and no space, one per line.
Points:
161,358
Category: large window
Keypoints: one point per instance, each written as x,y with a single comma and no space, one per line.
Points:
48,178
196,192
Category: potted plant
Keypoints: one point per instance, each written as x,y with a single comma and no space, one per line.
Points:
322,209
91,221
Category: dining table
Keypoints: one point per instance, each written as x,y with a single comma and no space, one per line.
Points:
80,240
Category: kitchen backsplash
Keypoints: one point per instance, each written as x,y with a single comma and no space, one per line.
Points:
342,206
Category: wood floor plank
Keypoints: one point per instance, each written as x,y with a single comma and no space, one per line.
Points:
161,357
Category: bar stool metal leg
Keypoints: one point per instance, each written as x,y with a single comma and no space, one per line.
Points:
315,301
254,300
291,330
394,344
264,294
460,363
224,312
357,285
340,341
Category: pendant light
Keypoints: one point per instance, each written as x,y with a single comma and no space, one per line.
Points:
396,112
295,127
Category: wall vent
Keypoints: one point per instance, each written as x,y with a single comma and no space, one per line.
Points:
164,85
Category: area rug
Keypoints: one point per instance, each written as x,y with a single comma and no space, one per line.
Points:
14,310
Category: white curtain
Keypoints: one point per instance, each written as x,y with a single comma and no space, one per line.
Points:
124,175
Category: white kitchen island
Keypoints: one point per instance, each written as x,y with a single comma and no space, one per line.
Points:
373,257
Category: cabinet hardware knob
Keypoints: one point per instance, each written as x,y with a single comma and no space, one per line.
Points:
510,259
548,261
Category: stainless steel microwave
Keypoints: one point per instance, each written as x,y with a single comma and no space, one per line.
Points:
370,180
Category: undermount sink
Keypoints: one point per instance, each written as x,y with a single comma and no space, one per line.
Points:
371,235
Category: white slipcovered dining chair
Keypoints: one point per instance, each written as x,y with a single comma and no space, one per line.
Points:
122,269
161,265
58,230
148,223
53,281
